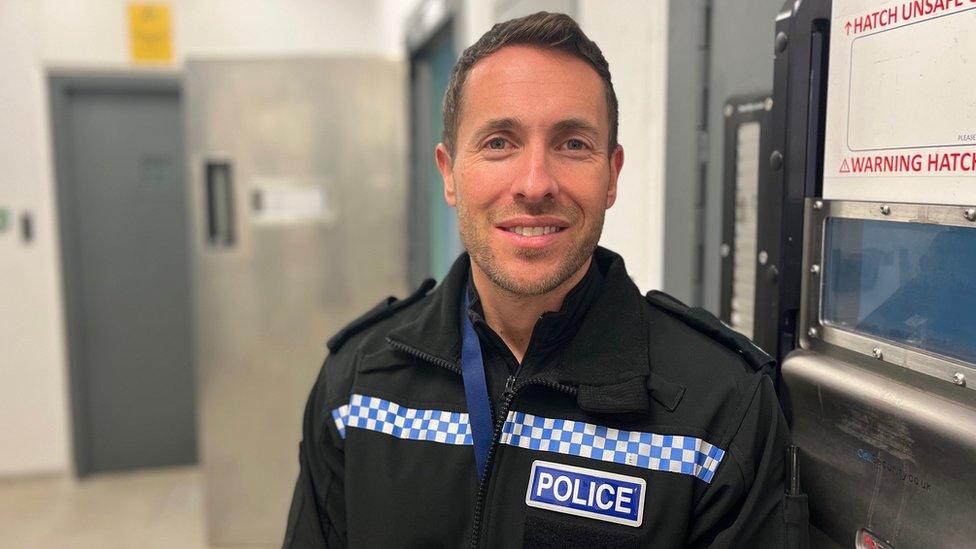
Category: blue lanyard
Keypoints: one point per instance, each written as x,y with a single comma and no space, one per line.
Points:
475,389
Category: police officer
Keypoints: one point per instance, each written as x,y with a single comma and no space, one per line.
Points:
536,398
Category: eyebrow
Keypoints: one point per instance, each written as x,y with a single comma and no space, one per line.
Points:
577,125
495,125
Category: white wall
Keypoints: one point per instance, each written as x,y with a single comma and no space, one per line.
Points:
37,35
33,417
94,32
633,37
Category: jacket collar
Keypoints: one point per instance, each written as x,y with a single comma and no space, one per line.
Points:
610,346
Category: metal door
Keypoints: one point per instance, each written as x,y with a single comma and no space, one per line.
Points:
297,180
870,314
122,206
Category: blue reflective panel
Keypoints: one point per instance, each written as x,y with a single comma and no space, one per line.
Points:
909,283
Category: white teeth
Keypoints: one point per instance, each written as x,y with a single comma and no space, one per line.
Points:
533,231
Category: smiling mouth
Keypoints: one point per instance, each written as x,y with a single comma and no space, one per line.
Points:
533,231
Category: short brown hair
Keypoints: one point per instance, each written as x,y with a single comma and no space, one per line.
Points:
557,31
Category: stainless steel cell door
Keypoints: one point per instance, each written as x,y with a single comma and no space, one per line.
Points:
119,151
298,187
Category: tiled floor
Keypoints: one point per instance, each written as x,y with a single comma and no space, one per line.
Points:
160,508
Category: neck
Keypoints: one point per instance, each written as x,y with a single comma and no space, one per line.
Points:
513,316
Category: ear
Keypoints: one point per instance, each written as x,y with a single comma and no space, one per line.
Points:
616,164
444,165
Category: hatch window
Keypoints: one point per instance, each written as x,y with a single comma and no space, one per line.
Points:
912,284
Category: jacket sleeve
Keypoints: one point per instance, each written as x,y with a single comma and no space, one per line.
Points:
317,517
743,506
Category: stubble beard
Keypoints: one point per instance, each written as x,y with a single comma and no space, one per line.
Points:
476,241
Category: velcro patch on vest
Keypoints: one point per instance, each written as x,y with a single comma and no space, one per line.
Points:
586,492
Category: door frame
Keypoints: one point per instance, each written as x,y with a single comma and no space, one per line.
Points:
61,85
429,22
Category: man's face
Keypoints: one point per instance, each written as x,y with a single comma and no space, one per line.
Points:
531,176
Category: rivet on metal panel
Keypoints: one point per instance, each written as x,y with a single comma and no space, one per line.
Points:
781,42
813,332
815,269
776,160
818,205
959,379
885,209
729,111
877,353
725,250
768,104
763,257
970,214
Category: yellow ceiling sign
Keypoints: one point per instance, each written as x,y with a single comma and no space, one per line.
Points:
150,33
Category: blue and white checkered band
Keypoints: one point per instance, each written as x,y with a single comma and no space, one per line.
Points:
376,414
674,453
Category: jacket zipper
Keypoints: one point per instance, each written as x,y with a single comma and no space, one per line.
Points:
507,396
427,357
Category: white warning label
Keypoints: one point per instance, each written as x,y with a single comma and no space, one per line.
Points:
901,112
901,13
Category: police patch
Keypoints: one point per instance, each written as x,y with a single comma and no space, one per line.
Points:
586,492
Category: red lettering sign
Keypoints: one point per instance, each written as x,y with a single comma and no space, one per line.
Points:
902,13
910,163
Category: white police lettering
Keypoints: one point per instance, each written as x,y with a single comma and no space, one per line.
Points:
545,482
576,491
586,492
604,504
623,497
565,495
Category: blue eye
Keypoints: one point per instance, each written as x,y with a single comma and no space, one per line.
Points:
575,145
496,143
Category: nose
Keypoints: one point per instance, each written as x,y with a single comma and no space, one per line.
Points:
535,183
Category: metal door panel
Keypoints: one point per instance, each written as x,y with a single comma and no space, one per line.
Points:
887,440
884,448
267,299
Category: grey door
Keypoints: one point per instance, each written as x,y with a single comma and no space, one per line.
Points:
126,274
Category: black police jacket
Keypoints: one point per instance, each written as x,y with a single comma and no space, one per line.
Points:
646,430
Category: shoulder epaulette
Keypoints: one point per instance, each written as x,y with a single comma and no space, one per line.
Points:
706,323
383,310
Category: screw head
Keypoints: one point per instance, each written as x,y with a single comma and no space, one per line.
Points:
815,269
781,42
970,214
725,250
877,353
763,257
885,209
818,205
959,379
776,160
768,104
728,111
813,332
